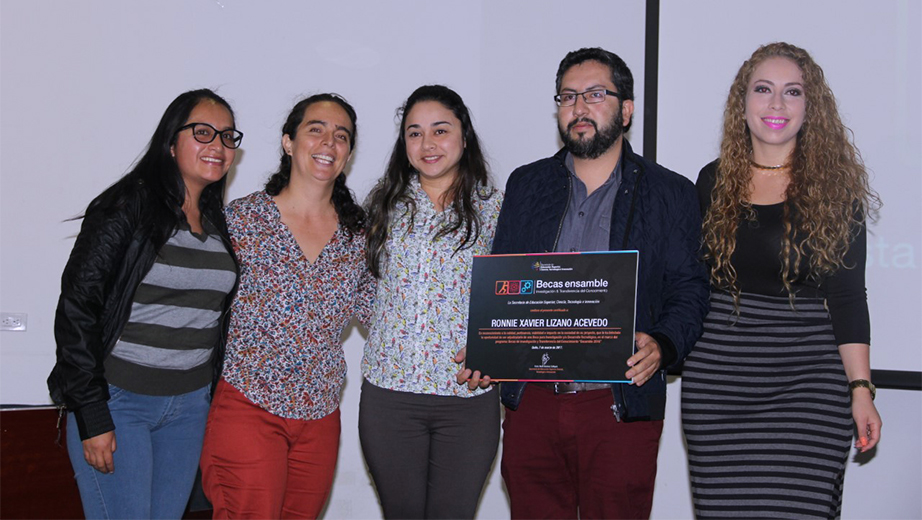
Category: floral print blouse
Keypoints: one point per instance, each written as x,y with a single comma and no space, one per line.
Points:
284,347
420,312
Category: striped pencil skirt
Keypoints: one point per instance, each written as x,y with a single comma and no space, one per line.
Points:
766,411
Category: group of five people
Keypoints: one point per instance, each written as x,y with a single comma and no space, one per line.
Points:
168,297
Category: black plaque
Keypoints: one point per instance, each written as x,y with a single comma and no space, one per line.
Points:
553,317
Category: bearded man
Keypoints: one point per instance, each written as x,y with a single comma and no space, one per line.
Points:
588,450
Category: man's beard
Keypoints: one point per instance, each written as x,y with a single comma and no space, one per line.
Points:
599,143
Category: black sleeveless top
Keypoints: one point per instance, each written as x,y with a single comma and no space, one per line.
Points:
757,260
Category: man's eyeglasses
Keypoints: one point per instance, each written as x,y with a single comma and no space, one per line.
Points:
591,97
205,133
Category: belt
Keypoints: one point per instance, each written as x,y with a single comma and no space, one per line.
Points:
572,388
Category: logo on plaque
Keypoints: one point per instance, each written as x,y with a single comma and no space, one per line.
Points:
514,287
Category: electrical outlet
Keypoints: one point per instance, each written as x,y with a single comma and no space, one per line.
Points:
13,321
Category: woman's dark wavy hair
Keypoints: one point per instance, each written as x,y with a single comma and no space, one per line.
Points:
393,188
350,213
156,178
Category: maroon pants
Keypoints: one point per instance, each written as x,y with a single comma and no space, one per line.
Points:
566,456
259,465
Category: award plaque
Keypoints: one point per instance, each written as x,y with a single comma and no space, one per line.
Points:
553,317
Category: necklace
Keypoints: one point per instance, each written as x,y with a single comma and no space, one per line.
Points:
763,167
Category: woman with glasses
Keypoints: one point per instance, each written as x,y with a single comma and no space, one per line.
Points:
273,434
429,442
780,379
140,323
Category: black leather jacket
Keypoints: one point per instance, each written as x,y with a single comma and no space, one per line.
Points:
655,212
111,256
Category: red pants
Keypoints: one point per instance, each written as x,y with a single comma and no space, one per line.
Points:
258,465
566,456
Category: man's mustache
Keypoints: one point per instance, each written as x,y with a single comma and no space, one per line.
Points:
582,120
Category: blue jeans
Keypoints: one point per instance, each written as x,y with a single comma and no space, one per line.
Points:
158,443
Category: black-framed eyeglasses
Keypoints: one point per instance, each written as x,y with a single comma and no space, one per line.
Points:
591,97
205,133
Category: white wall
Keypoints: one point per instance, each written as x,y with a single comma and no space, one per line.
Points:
83,84
871,54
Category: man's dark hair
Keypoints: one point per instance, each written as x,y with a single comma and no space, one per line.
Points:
621,75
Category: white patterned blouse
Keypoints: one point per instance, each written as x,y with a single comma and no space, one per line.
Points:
420,314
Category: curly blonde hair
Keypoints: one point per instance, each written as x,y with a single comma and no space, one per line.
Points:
828,197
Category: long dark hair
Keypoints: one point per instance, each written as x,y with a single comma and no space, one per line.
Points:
350,213
157,180
393,187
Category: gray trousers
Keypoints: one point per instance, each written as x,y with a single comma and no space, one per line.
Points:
429,455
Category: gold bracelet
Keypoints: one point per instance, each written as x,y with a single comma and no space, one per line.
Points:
863,383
